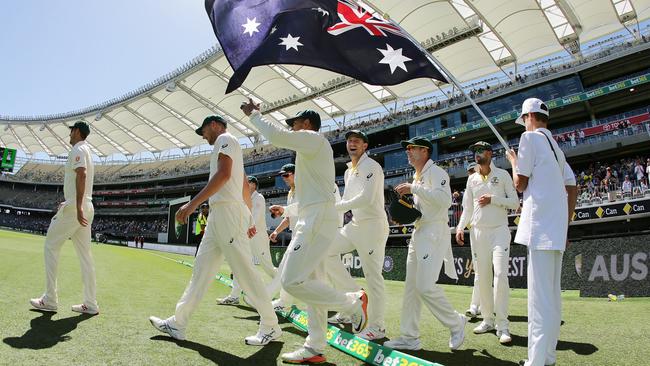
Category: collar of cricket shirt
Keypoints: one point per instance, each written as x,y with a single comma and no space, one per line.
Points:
418,177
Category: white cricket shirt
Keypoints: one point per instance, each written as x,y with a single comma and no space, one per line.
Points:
231,191
314,174
544,220
499,185
364,190
79,157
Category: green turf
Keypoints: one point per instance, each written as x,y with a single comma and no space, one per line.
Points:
134,284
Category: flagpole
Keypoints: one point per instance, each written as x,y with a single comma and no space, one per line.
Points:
449,76
453,79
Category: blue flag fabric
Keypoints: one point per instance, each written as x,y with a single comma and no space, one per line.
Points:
336,35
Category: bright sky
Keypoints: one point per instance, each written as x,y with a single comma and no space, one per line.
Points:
62,55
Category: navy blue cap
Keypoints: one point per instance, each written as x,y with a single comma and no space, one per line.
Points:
312,116
208,120
418,141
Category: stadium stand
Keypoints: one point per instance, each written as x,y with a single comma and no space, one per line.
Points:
600,118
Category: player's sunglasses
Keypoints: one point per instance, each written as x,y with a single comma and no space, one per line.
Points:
286,175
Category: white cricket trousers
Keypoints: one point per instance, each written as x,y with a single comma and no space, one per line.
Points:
261,258
276,283
368,237
64,225
225,236
492,248
304,267
544,305
476,298
429,243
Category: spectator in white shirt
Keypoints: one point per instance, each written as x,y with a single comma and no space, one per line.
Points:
627,185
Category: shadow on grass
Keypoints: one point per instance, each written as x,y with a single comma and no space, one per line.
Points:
267,355
579,348
45,332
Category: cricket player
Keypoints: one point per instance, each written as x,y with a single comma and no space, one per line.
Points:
367,233
302,275
289,220
488,196
540,171
474,307
73,220
228,194
430,247
259,243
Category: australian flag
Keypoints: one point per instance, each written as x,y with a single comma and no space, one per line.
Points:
336,35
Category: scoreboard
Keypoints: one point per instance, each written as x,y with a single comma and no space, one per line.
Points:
7,159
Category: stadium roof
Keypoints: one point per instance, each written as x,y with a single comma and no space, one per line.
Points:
472,38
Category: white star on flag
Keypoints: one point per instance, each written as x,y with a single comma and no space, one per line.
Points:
290,42
393,58
251,26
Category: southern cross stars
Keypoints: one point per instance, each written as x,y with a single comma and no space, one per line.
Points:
393,58
251,26
290,42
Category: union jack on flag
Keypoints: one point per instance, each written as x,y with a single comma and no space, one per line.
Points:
336,35
355,16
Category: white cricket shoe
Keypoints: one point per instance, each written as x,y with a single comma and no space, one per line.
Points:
412,344
264,336
504,336
372,333
339,318
472,312
360,317
40,304
83,309
228,300
303,355
458,336
167,326
484,327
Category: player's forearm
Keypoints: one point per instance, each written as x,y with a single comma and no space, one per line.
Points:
246,195
572,197
282,137
283,225
80,188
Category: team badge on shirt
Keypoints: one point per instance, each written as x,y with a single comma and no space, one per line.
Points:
494,180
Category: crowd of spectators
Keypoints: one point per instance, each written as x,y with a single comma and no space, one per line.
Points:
41,199
129,227
27,222
613,179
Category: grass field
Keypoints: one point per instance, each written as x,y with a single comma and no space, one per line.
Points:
134,284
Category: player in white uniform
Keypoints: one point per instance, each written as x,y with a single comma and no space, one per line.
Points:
488,196
429,249
541,172
302,275
475,303
259,243
367,233
73,220
289,220
225,236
